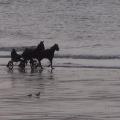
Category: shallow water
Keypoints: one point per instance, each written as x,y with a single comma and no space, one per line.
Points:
66,93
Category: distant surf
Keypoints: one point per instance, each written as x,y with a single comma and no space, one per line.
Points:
5,53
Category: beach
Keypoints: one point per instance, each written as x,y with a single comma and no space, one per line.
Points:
85,84
73,93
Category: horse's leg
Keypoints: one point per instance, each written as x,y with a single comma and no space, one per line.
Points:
35,63
26,62
32,63
51,64
22,64
40,64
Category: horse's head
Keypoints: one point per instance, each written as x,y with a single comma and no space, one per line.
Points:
56,47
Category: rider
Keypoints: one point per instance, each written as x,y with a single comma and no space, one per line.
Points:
41,46
14,56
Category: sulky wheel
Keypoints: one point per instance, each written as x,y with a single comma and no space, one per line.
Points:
10,65
22,64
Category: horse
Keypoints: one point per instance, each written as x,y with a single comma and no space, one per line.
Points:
48,54
30,53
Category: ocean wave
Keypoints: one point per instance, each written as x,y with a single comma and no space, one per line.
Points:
78,57
88,66
17,48
89,56
82,56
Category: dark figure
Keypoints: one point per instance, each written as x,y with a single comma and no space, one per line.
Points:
29,95
48,53
30,54
14,58
37,94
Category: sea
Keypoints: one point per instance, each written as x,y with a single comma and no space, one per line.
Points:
83,29
85,84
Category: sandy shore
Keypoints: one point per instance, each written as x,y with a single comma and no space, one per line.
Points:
66,93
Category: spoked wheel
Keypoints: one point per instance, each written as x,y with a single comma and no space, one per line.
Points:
10,65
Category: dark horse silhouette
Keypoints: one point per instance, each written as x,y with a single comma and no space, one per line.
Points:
30,53
48,53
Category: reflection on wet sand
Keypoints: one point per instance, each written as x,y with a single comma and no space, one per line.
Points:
76,93
32,80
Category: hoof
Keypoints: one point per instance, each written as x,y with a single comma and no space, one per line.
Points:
41,67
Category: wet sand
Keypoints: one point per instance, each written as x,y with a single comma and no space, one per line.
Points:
66,93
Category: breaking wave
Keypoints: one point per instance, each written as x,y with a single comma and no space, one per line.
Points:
89,56
82,56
